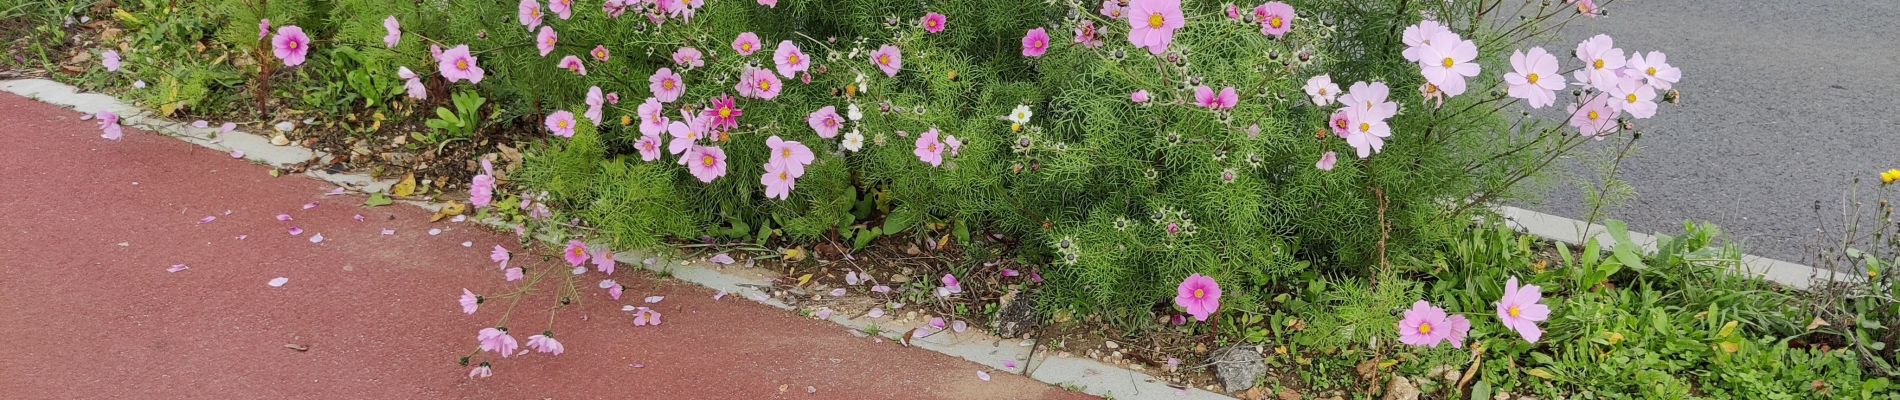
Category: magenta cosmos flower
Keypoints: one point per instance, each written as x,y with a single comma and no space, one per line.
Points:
825,121
725,113
708,163
1036,43
1326,161
933,22
290,45
1520,310
561,123
1276,18
686,134
457,64
573,64
653,119
1139,96
758,83
666,85
1602,62
545,342
778,182
1087,35
929,148
1423,325
576,253
1207,98
1199,295
1534,77
546,40
497,340
789,60
1153,23
1447,61
392,32
1339,123
562,8
110,58
649,146
1654,69
746,44
888,59
792,156
1595,117
1416,37
600,53
529,13
470,302
689,57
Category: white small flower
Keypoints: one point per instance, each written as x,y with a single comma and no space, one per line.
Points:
854,140
1322,89
138,84
853,112
1020,115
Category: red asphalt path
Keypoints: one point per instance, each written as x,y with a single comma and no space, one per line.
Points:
89,311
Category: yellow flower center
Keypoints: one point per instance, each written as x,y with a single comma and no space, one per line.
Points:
666,84
885,59
1513,311
1632,98
784,176
746,47
1199,293
765,85
1425,328
707,160
932,23
1365,127
534,12
1430,89
931,148
787,152
1593,115
562,124
725,112
461,65
1651,71
792,59
1341,123
576,251
1598,64
550,41
293,45
1156,20
1532,78
1450,62
1276,22
600,54
1322,91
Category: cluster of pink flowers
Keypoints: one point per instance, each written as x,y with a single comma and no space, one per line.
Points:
786,164
1275,18
1621,84
1519,310
1361,118
932,144
1442,56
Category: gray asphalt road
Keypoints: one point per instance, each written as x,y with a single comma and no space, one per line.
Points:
1785,103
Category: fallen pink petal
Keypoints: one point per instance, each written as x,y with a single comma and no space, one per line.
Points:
177,267
278,282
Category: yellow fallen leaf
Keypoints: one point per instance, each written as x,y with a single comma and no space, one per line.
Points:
1541,373
450,209
795,254
1728,347
404,187
802,280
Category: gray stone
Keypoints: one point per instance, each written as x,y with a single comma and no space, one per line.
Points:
1017,316
1238,367
1400,388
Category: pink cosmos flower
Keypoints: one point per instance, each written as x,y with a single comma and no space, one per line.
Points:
1139,96
110,58
1113,9
412,83
683,9
562,8
769,3
1456,327
1535,78
1087,35
1232,11
290,45
572,63
529,13
1594,117
457,64
1322,90
499,255
689,57
1416,37
1423,325
791,155
1036,43
562,123
953,144
263,28
929,149
543,342
497,340
613,98
1207,98
933,22
762,84
576,253
1364,132
652,117
889,59
612,291
392,32
1199,295
109,124
1586,7
746,44
778,181
1520,310
600,53
1634,97
1447,61
1654,69
1370,97
709,163
789,60
481,188
725,113
644,316
666,85
1326,161
604,260
470,302
511,274
594,102
686,134
1601,62
481,371
649,146
1153,23
825,121
1276,18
